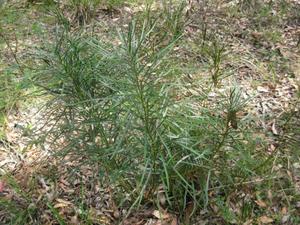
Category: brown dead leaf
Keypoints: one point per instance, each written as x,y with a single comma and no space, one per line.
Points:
161,214
174,221
165,218
116,214
64,182
270,195
257,35
66,188
62,203
265,219
284,210
74,220
188,212
248,222
261,203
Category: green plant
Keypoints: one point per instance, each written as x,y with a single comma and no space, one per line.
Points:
116,106
174,16
215,53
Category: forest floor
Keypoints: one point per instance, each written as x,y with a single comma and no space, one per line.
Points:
261,55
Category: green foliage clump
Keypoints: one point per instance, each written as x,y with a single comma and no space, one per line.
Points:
117,106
